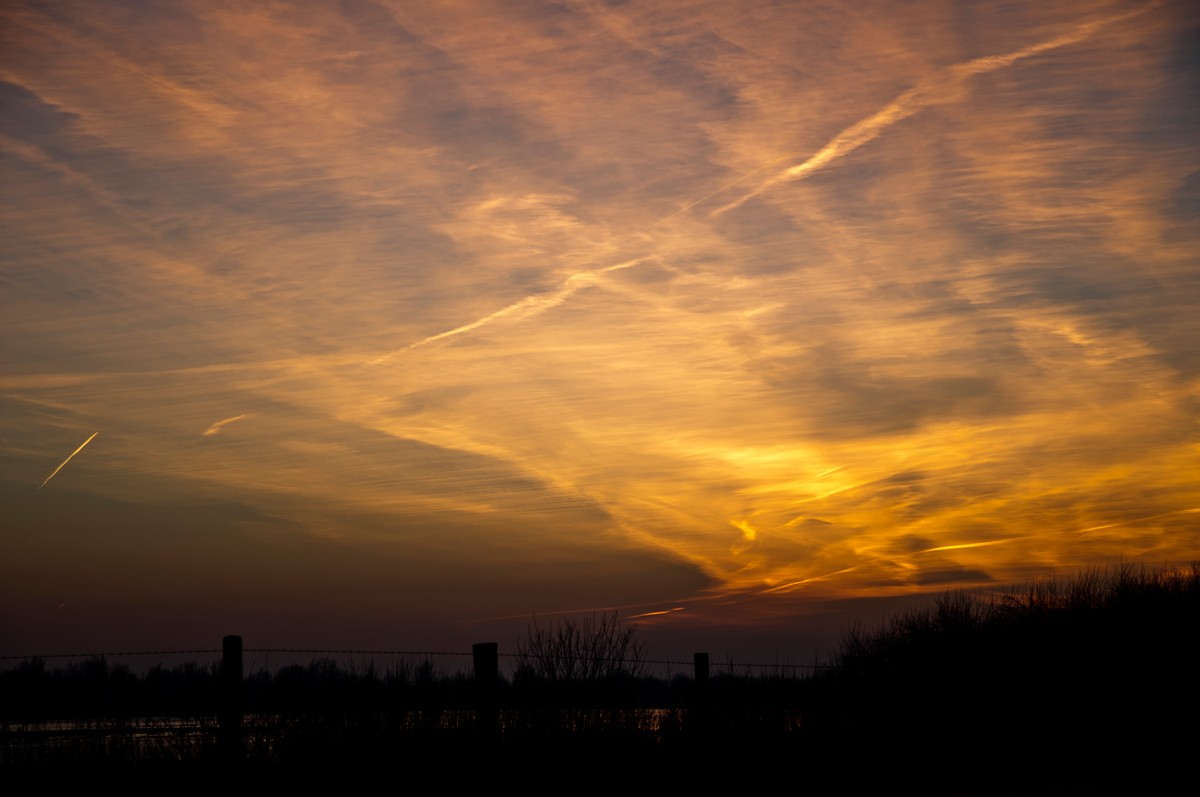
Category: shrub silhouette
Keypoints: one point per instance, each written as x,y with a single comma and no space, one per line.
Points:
1083,685
1084,677
574,681
585,651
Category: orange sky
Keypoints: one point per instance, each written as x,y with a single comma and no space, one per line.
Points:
434,313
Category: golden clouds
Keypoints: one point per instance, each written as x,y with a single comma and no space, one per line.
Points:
943,88
553,268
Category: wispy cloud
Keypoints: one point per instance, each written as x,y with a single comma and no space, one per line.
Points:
474,324
528,307
944,87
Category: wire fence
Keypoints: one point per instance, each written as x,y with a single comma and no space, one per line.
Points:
98,711
729,664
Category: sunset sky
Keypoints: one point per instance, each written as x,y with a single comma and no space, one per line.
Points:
398,323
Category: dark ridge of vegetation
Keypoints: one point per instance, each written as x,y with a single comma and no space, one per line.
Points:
594,661
1085,677
1081,684
96,689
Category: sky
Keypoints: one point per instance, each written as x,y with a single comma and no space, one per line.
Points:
400,324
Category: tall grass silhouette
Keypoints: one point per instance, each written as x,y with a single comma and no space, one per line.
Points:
1079,684
1084,677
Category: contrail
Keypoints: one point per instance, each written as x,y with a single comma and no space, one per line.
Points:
713,193
939,89
68,459
968,545
216,427
803,581
657,613
525,308
934,91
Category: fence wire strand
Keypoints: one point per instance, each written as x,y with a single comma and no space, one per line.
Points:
730,665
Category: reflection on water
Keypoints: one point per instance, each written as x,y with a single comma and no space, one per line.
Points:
266,736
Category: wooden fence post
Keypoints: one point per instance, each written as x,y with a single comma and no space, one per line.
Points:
231,698
701,698
700,670
486,658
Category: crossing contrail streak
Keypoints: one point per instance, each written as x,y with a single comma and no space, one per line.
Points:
939,89
68,459
525,308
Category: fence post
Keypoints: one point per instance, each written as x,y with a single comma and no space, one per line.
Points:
700,670
486,659
701,699
230,698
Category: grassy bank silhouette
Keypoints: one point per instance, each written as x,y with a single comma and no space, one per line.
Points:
1077,683
1091,678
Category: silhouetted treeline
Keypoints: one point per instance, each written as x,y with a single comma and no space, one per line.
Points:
1088,678
1088,683
96,688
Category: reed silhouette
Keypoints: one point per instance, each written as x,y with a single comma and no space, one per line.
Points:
1081,684
1081,681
